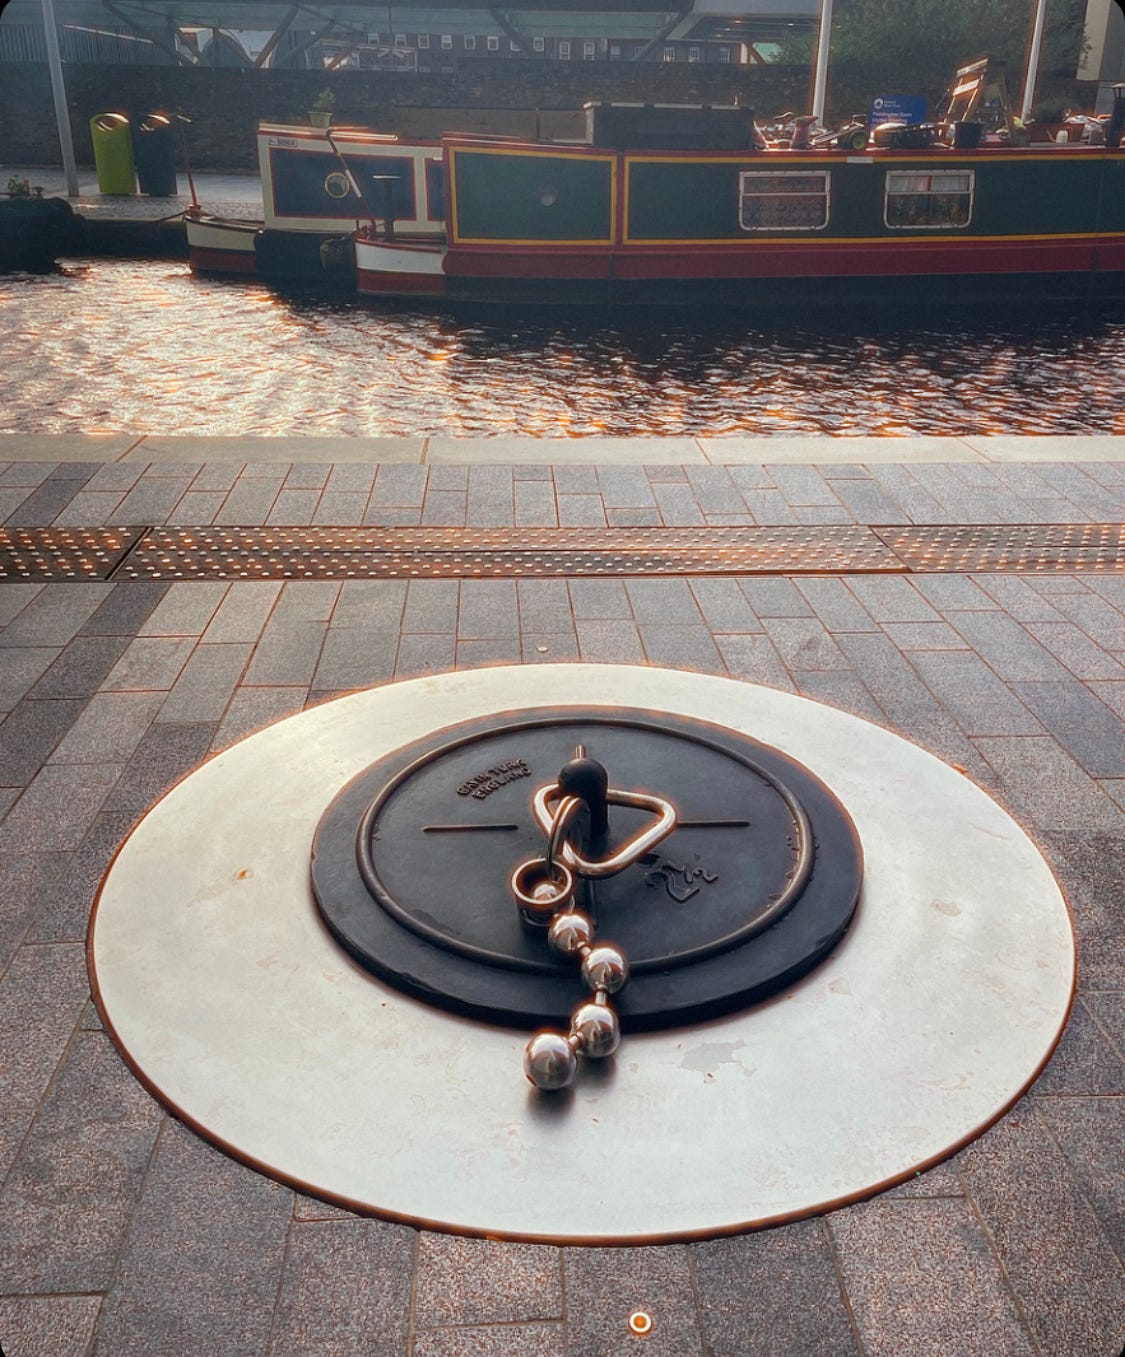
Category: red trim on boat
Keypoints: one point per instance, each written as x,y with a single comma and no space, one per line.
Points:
222,261
379,283
528,263
874,259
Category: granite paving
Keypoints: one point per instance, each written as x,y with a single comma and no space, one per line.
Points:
122,1232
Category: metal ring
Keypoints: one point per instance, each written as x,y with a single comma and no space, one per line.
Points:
564,814
632,851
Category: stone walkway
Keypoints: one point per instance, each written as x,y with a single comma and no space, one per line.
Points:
123,1233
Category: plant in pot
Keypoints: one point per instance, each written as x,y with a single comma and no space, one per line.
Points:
320,114
1048,119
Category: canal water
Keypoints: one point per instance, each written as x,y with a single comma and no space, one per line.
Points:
127,346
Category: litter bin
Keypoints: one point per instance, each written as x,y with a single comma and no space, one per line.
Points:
155,154
113,153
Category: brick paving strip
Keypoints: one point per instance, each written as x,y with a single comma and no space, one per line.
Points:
123,1233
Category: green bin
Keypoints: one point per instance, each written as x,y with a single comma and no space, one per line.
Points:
113,153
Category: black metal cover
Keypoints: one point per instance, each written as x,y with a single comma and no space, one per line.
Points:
449,818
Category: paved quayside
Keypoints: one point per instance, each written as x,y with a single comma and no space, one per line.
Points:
121,1232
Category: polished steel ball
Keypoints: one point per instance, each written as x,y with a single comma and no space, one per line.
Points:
605,968
570,933
597,1029
549,1061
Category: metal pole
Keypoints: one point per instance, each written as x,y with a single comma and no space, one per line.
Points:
58,89
1033,61
822,43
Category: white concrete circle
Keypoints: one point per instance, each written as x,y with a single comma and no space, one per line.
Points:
235,1006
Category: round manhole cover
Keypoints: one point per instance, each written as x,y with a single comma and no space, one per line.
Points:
760,877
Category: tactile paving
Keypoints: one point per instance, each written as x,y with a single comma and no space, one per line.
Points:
335,553
1027,547
64,553
170,553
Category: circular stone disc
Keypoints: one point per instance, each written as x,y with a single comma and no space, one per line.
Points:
231,1000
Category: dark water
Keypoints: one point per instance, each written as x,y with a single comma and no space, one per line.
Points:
143,347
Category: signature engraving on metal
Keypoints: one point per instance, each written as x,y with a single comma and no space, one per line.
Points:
481,785
672,874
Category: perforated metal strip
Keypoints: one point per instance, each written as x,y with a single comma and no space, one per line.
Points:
464,553
64,553
1029,547
164,553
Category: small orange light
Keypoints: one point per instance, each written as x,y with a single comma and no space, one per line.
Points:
640,1323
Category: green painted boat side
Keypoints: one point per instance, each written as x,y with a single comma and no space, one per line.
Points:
530,197
519,196
1018,194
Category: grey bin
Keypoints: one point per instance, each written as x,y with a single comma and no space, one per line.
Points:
154,152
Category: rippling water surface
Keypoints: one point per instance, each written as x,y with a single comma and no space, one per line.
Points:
143,347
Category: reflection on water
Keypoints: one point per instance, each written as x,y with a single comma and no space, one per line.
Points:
143,347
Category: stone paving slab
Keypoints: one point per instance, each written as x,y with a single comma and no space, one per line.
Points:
122,1233
404,491
841,457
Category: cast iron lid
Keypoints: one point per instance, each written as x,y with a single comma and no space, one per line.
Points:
411,864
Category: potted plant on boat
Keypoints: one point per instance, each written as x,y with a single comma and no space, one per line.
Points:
1049,123
320,114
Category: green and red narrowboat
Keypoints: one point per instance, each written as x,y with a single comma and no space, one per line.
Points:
669,221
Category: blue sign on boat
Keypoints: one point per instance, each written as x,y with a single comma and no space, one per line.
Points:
898,108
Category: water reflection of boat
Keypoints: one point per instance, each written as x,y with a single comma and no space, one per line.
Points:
317,186
635,216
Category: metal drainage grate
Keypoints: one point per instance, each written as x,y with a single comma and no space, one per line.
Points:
334,553
164,553
64,553
1028,547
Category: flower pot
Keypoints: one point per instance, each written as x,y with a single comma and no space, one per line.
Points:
320,117
1065,132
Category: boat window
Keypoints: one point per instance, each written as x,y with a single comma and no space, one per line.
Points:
793,200
917,199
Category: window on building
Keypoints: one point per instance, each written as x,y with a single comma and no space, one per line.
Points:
693,53
470,43
564,49
724,55
538,44
790,200
423,40
493,43
447,42
615,51
589,51
669,54
917,200
400,39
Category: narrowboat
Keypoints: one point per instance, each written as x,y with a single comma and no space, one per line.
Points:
692,206
318,185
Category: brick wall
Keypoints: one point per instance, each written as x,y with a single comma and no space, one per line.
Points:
226,105
487,96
